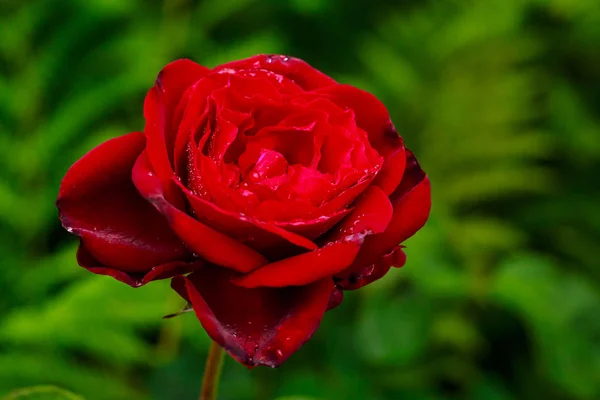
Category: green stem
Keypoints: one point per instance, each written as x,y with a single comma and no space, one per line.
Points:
212,372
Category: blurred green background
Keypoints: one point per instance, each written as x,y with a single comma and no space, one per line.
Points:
500,100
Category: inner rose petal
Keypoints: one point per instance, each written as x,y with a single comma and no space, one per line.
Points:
260,140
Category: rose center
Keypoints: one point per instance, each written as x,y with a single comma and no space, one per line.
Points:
266,143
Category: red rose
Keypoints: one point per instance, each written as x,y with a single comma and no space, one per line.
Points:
275,186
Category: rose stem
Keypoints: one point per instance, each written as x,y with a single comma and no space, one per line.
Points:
212,371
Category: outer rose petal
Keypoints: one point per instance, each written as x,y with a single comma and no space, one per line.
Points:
392,171
162,271
213,246
368,274
265,237
313,229
176,77
412,203
371,115
336,298
98,202
256,326
372,214
159,108
292,68
304,268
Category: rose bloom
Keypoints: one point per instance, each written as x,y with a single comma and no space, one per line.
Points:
263,187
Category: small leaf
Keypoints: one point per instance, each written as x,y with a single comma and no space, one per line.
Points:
296,398
41,393
188,307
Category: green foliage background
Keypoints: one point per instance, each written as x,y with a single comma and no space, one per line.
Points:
500,99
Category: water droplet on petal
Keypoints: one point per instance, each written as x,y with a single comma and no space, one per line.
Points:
70,230
279,353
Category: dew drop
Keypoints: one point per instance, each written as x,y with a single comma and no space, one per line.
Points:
70,230
279,353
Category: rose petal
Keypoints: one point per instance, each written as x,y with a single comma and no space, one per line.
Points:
347,196
98,202
135,279
264,237
314,228
361,277
292,68
208,243
159,107
176,77
256,326
372,214
304,268
371,115
392,171
336,298
412,203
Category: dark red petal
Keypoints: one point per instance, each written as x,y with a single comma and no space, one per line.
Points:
159,108
98,202
292,68
135,279
206,242
336,298
372,214
265,237
314,228
412,203
368,274
176,77
304,268
256,326
346,197
371,115
392,171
